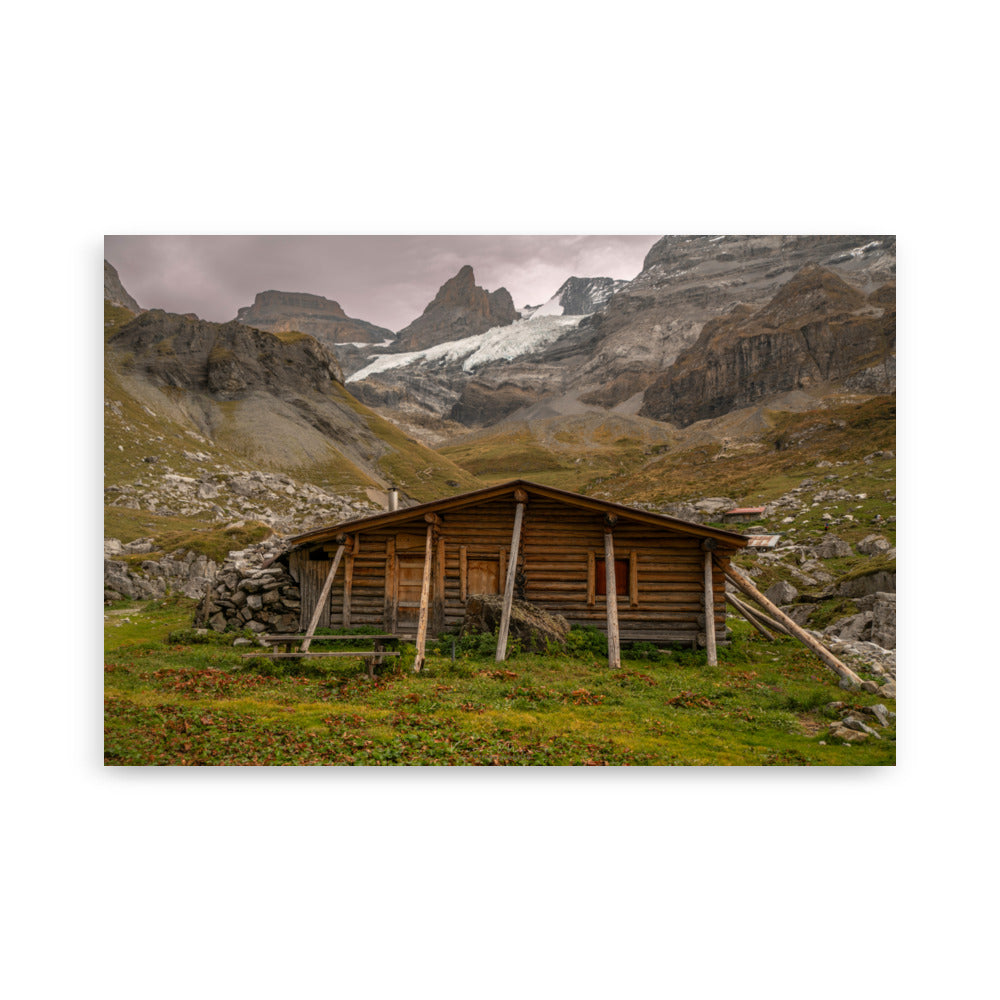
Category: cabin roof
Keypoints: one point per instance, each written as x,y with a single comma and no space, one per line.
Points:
401,516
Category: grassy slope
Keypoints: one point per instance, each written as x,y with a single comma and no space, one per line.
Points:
134,430
170,702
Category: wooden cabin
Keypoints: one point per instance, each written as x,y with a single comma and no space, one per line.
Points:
410,571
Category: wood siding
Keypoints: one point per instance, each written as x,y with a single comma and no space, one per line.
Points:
560,546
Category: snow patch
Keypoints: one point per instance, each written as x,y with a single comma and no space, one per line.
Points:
526,336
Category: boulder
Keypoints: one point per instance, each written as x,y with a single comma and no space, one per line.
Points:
874,545
781,592
534,628
832,547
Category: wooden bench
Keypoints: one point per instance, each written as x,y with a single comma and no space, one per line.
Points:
377,654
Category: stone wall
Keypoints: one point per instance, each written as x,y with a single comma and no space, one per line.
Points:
252,592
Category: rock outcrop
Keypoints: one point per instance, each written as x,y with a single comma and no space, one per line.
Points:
114,290
817,329
460,309
322,318
224,359
535,629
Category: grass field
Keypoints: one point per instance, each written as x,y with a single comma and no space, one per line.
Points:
173,697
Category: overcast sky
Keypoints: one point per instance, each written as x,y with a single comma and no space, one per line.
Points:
387,280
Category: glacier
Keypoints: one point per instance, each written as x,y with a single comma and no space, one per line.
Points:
524,336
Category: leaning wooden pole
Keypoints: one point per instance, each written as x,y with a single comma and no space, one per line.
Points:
508,590
324,596
848,678
740,607
749,612
713,656
611,595
425,600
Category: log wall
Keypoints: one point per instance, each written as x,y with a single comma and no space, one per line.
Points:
560,546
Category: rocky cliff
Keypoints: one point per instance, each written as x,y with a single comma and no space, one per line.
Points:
322,318
224,359
817,329
688,280
114,291
460,309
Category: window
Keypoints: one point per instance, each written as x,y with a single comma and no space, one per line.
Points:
621,578
626,579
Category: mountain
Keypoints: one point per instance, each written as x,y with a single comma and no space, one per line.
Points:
610,357
114,291
324,319
577,297
221,421
687,280
816,330
460,309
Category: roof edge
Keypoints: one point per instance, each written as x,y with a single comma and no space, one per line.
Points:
391,517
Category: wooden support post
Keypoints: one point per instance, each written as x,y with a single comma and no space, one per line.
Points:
611,592
324,596
742,609
425,597
349,556
591,580
508,590
713,659
463,573
437,618
389,617
848,678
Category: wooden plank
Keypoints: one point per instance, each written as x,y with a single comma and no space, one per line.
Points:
425,598
324,596
848,678
591,579
463,573
611,602
508,592
633,579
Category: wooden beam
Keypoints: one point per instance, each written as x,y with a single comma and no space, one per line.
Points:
591,579
752,614
508,591
463,573
713,658
741,609
425,599
611,601
324,596
633,579
848,678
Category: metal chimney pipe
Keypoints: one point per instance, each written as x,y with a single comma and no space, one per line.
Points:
393,498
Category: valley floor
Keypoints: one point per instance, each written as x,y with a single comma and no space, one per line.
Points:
174,697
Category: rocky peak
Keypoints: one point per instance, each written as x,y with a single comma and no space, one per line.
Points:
114,290
460,309
322,318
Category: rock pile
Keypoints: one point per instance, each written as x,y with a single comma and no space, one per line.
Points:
252,591
852,729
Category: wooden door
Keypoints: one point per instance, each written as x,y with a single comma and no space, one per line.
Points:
484,576
411,578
